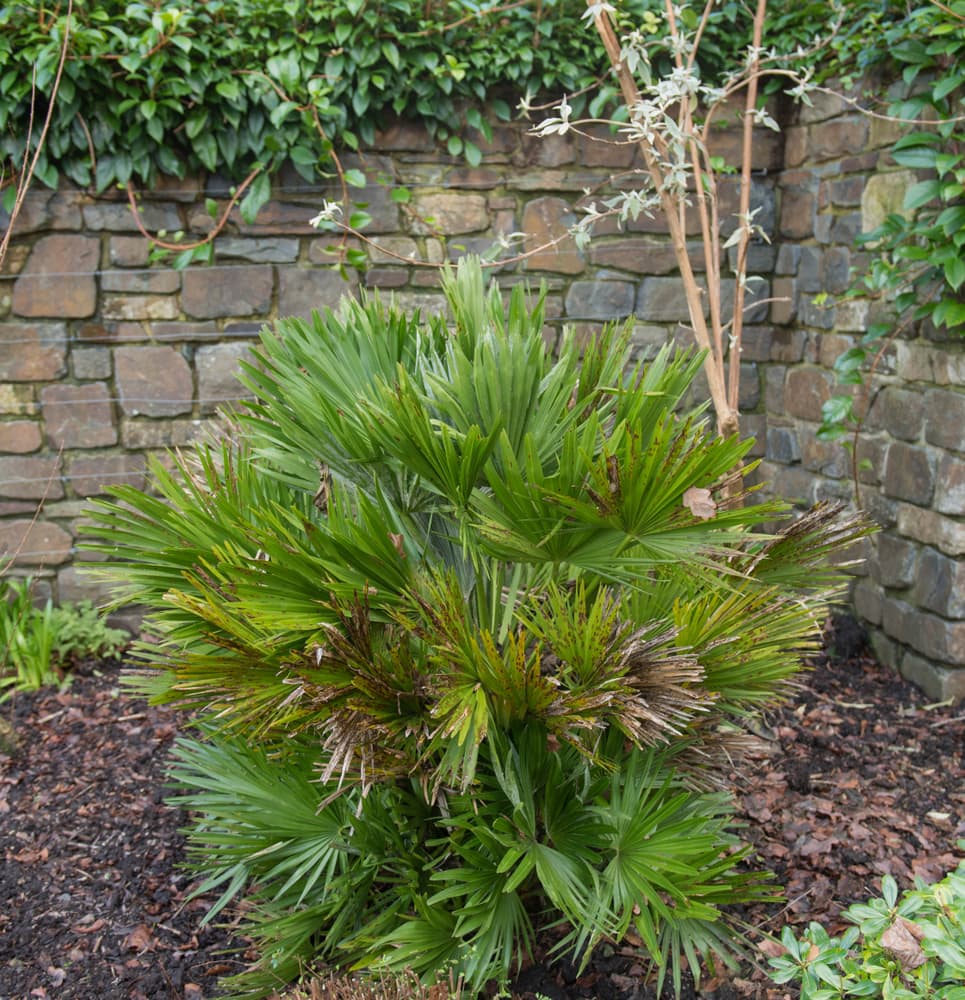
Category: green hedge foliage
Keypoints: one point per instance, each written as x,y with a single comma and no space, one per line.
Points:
228,85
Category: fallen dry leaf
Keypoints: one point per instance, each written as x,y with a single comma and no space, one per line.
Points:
771,947
140,939
901,939
89,928
56,975
700,503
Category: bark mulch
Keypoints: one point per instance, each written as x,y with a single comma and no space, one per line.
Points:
861,777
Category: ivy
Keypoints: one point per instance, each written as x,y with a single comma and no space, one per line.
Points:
918,262
229,85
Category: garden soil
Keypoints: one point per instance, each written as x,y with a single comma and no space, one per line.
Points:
858,776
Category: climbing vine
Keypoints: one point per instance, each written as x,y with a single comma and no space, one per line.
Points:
917,267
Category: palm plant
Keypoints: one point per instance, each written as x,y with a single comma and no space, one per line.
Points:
468,629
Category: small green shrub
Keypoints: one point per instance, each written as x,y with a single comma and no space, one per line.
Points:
899,949
38,644
469,629
81,633
27,638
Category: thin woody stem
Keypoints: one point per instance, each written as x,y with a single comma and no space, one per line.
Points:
747,152
30,165
713,363
219,225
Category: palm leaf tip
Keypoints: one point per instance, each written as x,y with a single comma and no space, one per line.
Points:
663,687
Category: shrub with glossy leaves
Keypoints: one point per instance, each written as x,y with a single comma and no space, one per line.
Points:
901,947
469,629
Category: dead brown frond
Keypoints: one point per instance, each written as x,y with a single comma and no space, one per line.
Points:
717,750
662,689
405,986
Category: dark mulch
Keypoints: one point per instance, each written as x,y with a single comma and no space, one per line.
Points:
861,777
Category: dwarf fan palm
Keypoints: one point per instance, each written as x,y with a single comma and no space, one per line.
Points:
467,625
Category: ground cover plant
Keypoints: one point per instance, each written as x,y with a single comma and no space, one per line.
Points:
38,645
906,946
469,630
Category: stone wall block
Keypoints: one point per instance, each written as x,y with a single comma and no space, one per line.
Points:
896,561
20,437
142,433
35,543
546,220
116,217
756,343
596,148
787,345
867,600
950,487
754,425
31,478
180,330
790,482
280,218
17,400
945,419
806,391
826,457
884,195
142,281
402,136
550,150
78,416
662,300
75,584
851,316
848,191
153,381
798,213
138,307
836,269
304,290
783,445
58,280
784,306
278,250
835,138
815,314
749,388
900,412
910,474
451,213
386,277
128,251
90,477
774,379
393,250
87,363
767,147
43,210
208,293
940,586
602,300
218,367
938,683
932,529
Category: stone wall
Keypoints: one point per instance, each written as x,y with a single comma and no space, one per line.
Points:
105,358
